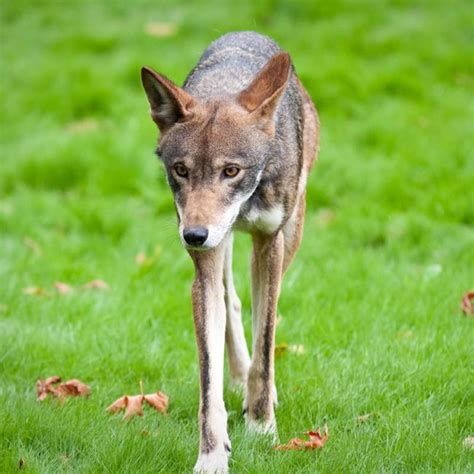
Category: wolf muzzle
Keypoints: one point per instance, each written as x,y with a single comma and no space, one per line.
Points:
195,236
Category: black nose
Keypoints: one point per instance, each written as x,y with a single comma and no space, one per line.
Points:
195,235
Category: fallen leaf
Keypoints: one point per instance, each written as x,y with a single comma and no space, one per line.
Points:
72,388
468,442
34,291
467,304
160,30
134,407
32,245
157,400
62,288
21,463
118,405
280,349
364,418
43,387
316,441
96,284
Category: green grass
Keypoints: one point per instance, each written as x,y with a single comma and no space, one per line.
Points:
373,294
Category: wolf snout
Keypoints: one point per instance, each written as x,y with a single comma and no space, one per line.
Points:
195,236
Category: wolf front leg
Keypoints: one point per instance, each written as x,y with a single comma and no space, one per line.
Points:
267,263
210,321
238,354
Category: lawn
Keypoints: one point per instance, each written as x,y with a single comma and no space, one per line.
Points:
373,295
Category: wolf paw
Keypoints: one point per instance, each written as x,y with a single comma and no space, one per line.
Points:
262,427
212,463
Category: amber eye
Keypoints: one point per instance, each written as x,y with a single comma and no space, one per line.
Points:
231,171
181,170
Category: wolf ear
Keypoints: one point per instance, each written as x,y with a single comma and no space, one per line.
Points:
262,95
169,103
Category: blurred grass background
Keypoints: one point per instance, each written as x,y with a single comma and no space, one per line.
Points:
373,295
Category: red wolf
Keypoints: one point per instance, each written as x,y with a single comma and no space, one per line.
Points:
237,141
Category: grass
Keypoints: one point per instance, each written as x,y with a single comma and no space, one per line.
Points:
373,295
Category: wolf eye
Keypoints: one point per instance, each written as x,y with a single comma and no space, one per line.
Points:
231,171
181,170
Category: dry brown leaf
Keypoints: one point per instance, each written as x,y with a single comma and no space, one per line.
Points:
316,441
72,388
157,400
34,291
467,304
21,463
134,407
96,284
160,30
119,404
43,387
62,288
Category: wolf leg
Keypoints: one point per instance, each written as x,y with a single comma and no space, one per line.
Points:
267,263
210,321
293,231
237,351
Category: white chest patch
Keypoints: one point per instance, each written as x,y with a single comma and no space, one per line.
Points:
265,220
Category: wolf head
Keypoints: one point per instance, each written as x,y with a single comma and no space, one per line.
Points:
214,151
